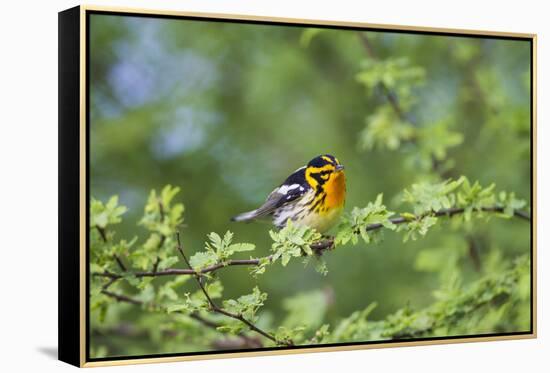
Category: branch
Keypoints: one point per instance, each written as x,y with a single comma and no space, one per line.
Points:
190,272
215,308
319,247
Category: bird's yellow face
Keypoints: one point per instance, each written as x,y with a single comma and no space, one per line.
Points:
326,176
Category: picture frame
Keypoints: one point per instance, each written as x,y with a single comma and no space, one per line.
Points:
77,79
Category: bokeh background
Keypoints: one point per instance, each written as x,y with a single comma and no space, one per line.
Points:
227,110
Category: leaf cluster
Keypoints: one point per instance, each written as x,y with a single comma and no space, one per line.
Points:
218,250
356,224
430,200
391,126
293,241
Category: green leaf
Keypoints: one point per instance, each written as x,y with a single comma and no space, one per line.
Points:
216,240
152,243
167,194
246,305
427,198
510,203
168,262
285,259
239,247
203,259
261,267
214,289
419,226
344,235
223,246
102,215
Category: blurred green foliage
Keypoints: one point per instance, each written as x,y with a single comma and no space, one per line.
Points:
225,111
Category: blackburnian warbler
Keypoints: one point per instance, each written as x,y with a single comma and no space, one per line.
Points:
313,195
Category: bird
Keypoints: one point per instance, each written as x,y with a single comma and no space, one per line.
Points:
313,196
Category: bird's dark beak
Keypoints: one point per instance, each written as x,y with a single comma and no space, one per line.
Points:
339,167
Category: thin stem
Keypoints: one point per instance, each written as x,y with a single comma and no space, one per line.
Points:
120,263
102,233
109,283
122,298
162,236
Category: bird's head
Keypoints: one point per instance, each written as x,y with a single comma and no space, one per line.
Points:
323,171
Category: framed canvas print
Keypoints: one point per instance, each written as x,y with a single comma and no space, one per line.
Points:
237,185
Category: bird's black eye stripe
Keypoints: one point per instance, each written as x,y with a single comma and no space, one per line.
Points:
317,176
321,176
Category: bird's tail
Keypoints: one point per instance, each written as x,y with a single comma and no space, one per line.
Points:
246,216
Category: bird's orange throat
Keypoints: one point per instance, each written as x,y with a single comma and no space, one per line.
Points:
335,189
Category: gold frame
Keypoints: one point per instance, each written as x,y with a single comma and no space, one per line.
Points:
225,355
